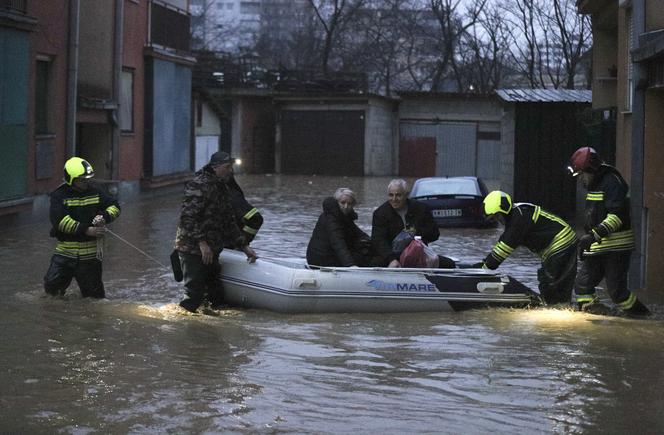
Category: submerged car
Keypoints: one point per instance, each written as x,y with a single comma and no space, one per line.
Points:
453,201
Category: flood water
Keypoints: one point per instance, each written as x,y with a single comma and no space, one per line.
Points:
134,364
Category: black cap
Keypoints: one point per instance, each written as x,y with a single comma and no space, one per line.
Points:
220,158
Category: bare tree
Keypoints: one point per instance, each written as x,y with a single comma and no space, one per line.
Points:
453,23
289,37
521,16
548,40
208,31
333,15
573,36
377,41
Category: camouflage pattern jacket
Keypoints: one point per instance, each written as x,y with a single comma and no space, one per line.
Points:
207,215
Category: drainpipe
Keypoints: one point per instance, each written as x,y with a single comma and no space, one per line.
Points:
639,213
117,77
72,78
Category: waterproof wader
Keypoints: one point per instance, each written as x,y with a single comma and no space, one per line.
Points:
556,276
613,268
86,272
200,281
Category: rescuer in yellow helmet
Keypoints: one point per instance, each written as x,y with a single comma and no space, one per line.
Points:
79,213
542,232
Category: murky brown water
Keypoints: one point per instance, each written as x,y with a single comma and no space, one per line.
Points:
133,364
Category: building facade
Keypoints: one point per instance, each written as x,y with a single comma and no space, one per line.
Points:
628,78
107,80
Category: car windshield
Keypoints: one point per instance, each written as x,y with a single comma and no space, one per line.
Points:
446,186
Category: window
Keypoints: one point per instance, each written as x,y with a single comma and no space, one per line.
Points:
44,96
127,100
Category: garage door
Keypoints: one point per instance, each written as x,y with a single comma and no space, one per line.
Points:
329,142
462,148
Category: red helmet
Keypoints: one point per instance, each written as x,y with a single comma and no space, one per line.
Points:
584,159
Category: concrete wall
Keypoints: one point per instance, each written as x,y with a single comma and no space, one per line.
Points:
131,144
50,40
654,15
380,138
450,109
486,112
507,139
653,191
95,74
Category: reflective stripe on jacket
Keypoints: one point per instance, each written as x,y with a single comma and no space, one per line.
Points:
529,225
607,213
71,213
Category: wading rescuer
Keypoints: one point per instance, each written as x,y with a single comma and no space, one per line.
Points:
544,233
247,217
606,246
79,213
207,224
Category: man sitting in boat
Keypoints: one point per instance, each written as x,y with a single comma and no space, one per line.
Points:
400,213
336,240
544,233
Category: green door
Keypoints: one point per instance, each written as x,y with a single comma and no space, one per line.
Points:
13,113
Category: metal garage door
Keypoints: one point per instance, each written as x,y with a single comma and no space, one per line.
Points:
329,142
14,49
462,148
455,145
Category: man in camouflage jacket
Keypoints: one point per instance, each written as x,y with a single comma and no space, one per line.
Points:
207,224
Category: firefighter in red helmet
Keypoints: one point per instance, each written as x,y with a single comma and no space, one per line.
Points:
607,244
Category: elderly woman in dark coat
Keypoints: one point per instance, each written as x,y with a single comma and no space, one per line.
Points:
336,240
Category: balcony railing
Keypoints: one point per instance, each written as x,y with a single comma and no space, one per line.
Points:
14,5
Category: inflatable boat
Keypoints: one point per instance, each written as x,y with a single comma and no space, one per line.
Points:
289,285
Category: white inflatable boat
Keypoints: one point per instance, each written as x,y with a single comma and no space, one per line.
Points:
291,286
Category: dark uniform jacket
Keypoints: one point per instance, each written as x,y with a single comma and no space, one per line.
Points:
71,214
247,217
335,238
529,225
387,223
607,212
207,215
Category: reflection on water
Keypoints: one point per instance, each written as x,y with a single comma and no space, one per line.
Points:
135,363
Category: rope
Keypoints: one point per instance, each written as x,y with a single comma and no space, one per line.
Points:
100,248
136,248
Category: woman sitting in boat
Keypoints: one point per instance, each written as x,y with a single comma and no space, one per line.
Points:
336,240
400,213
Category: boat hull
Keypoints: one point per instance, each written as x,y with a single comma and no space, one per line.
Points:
290,286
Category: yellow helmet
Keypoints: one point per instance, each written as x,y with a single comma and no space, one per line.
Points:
497,202
77,167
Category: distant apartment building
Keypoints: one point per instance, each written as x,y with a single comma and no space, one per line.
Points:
233,26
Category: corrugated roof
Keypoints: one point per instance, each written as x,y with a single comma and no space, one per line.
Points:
545,95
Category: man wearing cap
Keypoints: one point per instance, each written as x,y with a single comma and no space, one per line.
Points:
207,224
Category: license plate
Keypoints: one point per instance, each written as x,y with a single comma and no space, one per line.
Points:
452,212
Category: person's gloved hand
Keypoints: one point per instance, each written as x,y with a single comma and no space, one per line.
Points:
584,243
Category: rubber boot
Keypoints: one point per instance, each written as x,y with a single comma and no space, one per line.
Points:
597,307
189,305
637,310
